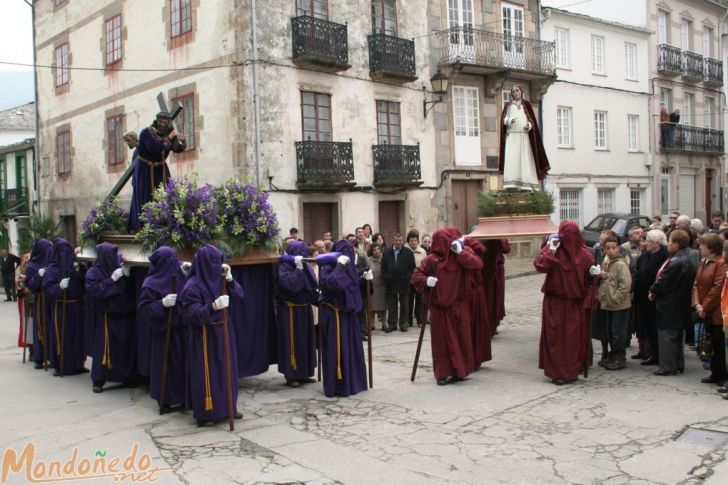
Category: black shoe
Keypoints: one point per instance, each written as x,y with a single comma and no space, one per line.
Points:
364,338
558,382
403,329
56,373
664,373
389,329
38,365
650,361
238,415
98,387
456,379
442,381
202,423
639,355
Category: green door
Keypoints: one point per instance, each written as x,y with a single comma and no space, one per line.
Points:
21,183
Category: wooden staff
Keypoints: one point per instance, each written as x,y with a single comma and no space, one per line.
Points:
318,350
24,316
63,329
228,369
422,336
165,358
43,328
369,332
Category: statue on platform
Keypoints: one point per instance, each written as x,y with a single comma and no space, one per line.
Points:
523,161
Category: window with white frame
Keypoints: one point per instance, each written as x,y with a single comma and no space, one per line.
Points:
666,99
561,47
563,126
665,191
630,60
605,200
570,205
707,41
708,112
600,130
597,54
686,34
633,122
635,201
663,20
688,109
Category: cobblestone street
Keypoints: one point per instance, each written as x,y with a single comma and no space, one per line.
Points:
505,424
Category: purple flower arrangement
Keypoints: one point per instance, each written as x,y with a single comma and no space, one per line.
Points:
106,219
181,215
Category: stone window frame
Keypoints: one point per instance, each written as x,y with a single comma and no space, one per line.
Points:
108,44
58,4
64,70
183,38
197,120
119,164
64,164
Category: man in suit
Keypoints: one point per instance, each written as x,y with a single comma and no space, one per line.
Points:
10,263
398,263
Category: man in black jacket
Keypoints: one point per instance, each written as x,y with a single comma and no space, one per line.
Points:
398,263
10,263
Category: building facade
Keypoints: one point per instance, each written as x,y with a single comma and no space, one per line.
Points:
596,117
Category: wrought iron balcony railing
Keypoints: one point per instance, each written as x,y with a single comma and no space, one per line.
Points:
392,58
14,201
325,164
397,165
669,60
466,45
692,66
713,72
677,137
319,44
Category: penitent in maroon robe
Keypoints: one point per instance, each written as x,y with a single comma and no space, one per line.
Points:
494,280
480,318
564,331
450,333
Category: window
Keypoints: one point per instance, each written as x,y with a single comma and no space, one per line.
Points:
635,201
600,130
605,200
467,122
3,178
507,96
388,123
313,8
707,42
597,53
114,140
665,191
630,59
316,115
663,20
180,12
561,39
384,17
59,3
686,34
688,109
666,99
113,40
513,45
61,65
21,175
570,205
186,119
63,152
708,112
633,123
563,126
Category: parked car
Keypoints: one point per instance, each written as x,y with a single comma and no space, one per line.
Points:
617,222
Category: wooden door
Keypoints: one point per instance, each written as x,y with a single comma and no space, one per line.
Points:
318,218
389,223
68,226
465,204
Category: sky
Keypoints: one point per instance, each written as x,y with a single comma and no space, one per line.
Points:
16,45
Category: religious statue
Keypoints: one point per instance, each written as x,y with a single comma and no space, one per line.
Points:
523,161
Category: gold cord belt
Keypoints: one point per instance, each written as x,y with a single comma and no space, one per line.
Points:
338,340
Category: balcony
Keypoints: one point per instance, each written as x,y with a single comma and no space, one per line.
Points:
692,66
319,44
685,138
14,202
324,165
668,60
480,51
391,59
397,165
713,72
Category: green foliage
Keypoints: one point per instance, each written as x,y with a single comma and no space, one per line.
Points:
499,203
36,227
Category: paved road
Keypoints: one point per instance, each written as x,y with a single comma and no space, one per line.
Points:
505,424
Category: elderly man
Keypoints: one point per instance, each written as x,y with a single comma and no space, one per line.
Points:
398,263
654,254
716,219
634,244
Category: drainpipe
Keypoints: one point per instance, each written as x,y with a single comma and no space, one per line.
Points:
540,101
256,96
36,148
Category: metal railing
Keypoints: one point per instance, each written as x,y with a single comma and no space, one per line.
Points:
713,71
319,41
466,45
669,59
392,56
396,164
14,201
692,65
674,136
324,162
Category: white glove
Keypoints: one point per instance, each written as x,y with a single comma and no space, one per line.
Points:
431,281
298,261
186,267
64,283
169,300
117,274
343,260
76,266
595,270
368,275
41,272
226,273
528,126
457,246
126,269
221,302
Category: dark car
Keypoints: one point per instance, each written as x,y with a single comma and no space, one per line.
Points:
617,222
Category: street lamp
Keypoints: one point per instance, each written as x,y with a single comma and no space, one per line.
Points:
439,84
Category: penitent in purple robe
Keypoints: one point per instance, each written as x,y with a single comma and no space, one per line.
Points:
296,331
143,330
65,310
344,371
114,349
165,277
40,258
206,369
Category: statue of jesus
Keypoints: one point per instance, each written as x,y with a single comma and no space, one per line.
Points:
523,161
